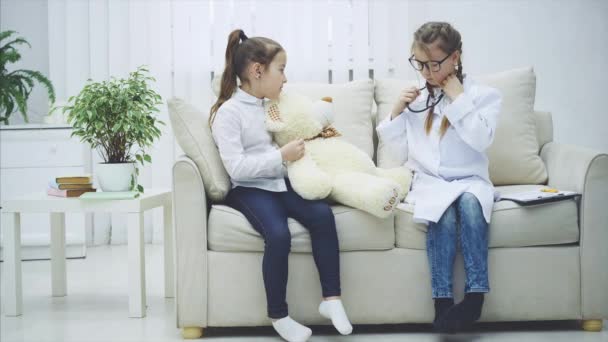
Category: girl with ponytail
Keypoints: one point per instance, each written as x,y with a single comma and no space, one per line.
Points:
260,188
442,132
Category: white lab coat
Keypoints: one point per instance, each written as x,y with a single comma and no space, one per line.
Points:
444,168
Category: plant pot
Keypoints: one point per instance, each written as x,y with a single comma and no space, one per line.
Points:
115,177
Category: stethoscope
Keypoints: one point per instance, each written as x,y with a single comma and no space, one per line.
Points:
430,101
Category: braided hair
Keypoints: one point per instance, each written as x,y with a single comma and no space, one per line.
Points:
449,42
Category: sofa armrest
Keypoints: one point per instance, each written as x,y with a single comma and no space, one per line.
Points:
190,227
586,171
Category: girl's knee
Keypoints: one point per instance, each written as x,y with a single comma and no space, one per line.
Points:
321,211
279,239
471,212
469,202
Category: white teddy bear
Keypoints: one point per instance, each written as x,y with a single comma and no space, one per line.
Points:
330,165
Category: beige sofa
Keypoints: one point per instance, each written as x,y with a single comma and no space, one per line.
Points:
546,262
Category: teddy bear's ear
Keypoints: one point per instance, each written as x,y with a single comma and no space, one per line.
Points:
274,123
323,111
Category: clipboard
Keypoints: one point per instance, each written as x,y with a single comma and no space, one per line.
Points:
538,196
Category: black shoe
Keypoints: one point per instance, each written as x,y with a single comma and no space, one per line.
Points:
461,316
441,307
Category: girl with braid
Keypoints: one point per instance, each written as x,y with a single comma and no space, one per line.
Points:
441,132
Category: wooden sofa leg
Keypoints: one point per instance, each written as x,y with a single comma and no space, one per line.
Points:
190,333
592,325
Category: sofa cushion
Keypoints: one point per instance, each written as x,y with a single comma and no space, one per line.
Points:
352,103
511,226
514,155
193,135
229,231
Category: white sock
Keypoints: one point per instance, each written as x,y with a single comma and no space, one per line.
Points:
333,310
291,330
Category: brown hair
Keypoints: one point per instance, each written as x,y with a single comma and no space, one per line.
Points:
449,42
241,51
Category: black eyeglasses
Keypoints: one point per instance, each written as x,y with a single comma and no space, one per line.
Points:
430,102
433,66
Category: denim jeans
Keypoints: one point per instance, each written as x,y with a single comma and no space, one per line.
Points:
267,212
461,225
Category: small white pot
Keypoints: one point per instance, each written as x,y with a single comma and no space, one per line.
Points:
115,177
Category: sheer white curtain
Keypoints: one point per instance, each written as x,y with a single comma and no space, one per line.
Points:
183,42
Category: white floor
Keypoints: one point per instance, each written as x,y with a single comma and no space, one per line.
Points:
96,310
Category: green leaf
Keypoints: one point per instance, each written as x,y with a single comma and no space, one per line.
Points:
113,115
6,34
16,86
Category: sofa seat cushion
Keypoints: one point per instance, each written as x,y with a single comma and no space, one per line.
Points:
229,231
512,225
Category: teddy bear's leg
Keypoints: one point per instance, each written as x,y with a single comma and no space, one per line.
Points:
375,195
308,180
401,175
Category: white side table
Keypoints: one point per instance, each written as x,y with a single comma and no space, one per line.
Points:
56,207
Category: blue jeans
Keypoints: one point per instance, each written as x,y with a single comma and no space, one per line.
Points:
462,225
267,212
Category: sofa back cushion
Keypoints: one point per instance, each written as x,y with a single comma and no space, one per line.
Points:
352,104
191,129
514,155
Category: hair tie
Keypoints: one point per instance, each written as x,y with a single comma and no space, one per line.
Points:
243,36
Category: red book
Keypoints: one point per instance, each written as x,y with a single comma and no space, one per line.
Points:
67,193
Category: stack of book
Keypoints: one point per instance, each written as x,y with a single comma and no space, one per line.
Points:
70,186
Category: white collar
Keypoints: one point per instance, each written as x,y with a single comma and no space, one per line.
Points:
244,96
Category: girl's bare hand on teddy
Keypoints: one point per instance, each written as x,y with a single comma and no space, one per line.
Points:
293,150
406,97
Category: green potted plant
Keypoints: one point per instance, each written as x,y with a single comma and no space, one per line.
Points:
16,86
117,117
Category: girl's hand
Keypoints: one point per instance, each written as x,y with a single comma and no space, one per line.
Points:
452,87
406,97
293,150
